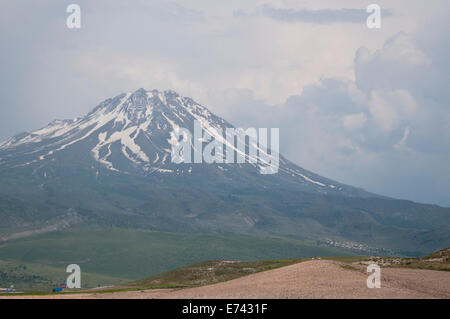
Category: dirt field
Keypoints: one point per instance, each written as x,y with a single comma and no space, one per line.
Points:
310,279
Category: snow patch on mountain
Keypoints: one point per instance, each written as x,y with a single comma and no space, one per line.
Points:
137,131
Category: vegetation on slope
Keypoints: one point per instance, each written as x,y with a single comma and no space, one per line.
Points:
134,254
210,272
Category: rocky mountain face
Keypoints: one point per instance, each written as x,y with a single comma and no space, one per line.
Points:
133,133
113,167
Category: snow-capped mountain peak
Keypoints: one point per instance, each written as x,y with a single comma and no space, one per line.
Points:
134,133
129,120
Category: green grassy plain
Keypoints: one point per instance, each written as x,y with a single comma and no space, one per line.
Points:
124,254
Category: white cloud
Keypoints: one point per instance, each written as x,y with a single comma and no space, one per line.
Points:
386,131
354,122
390,109
313,16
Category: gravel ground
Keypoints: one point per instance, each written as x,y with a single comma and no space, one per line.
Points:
309,279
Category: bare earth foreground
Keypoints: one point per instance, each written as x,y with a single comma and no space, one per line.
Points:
309,279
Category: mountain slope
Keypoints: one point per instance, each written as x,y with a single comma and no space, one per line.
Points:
132,133
113,167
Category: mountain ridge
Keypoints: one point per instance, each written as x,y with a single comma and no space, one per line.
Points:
135,114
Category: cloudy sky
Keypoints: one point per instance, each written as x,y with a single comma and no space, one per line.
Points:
367,107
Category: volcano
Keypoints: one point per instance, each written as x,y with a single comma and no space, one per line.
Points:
113,167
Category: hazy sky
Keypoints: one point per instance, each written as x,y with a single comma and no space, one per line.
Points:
367,107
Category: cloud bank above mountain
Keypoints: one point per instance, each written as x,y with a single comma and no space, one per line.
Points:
304,15
388,129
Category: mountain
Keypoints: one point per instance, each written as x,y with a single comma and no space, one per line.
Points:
113,168
132,134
